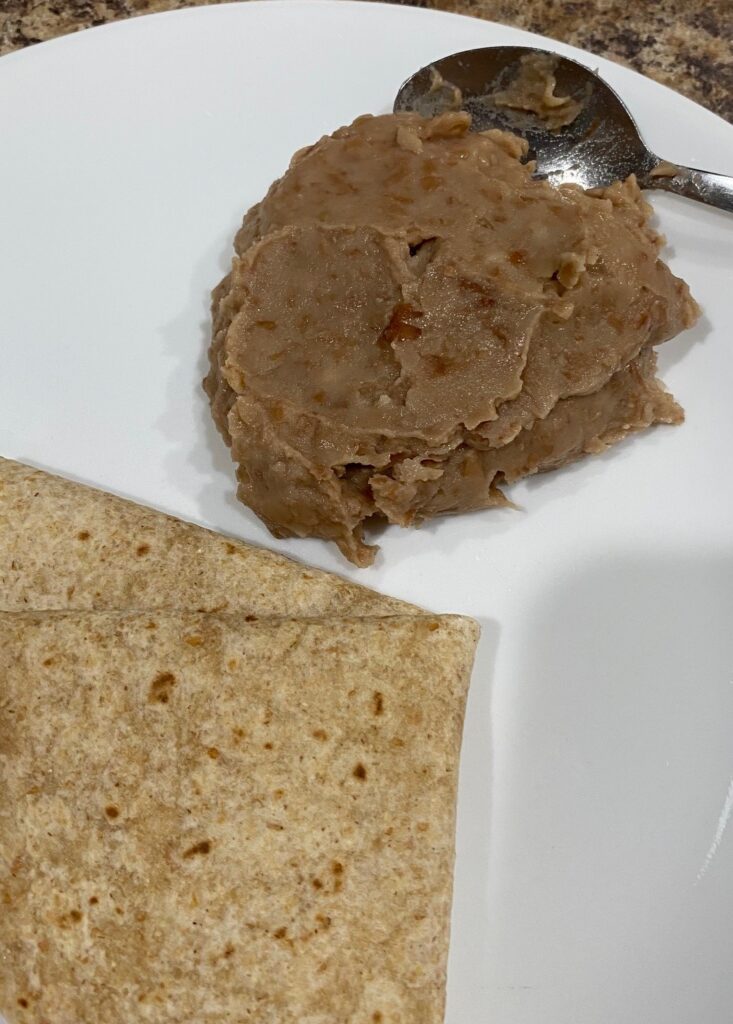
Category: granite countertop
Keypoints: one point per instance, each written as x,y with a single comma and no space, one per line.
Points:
688,46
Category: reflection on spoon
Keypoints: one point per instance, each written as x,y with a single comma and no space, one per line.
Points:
577,128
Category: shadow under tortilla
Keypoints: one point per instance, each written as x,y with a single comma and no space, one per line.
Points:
471,919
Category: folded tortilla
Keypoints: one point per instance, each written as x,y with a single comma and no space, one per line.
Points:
66,546
206,820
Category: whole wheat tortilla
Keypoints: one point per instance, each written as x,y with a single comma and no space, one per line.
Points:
66,546
204,820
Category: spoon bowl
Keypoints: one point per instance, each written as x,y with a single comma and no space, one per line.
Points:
600,145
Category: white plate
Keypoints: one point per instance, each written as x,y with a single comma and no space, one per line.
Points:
595,874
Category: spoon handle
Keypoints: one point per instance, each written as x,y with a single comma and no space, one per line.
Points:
706,187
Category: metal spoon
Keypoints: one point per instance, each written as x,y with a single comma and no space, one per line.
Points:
600,146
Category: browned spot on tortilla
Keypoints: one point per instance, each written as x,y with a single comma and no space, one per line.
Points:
161,688
200,848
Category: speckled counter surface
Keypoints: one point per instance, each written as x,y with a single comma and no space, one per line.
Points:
687,45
